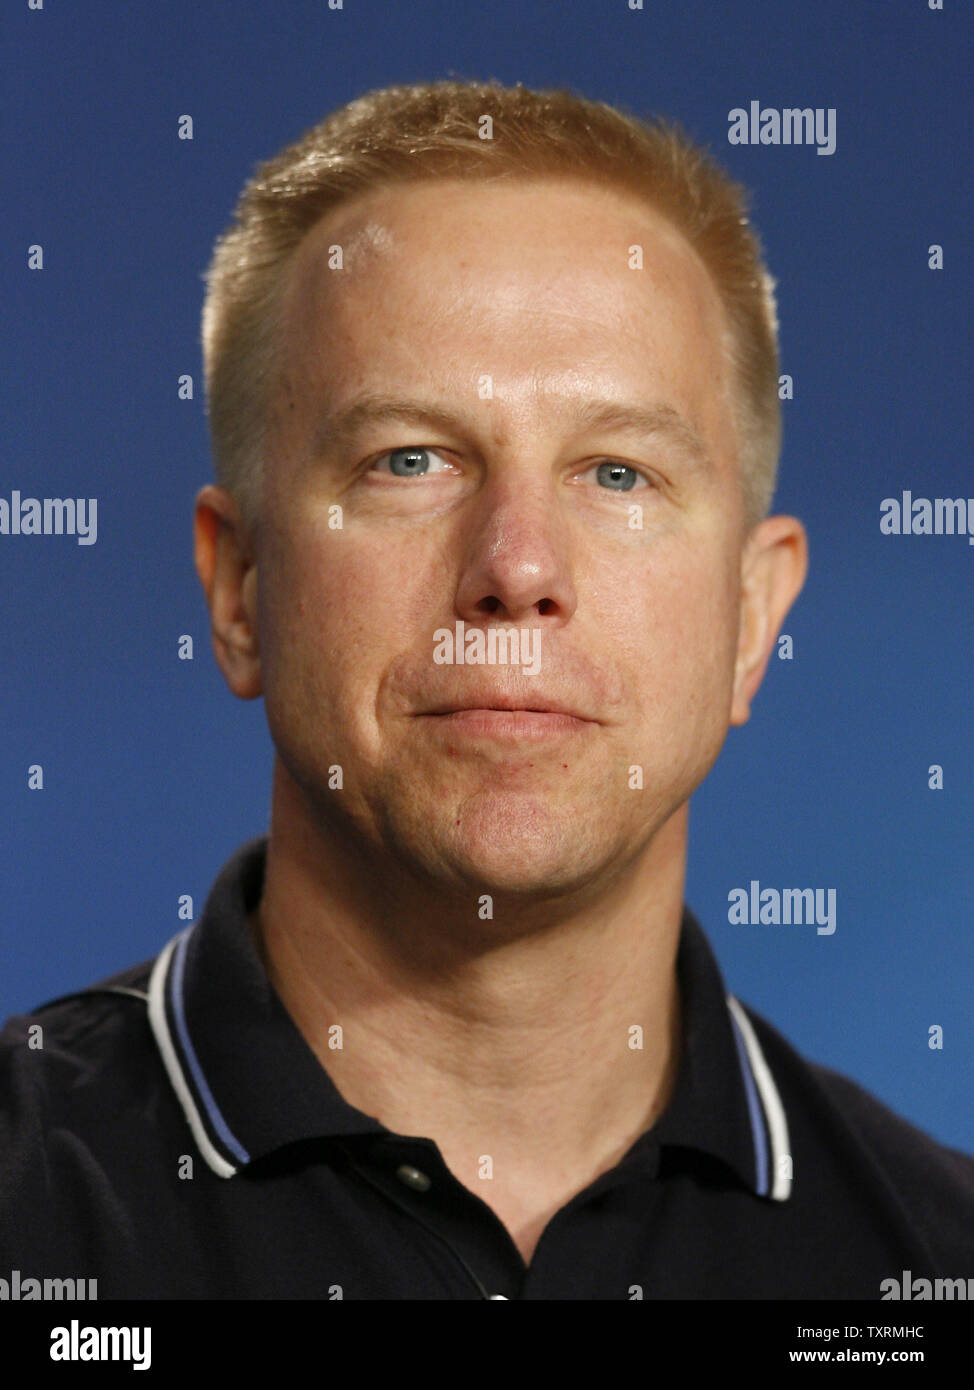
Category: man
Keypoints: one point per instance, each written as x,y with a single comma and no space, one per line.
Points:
492,384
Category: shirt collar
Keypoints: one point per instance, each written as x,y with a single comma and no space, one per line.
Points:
725,1102
249,1084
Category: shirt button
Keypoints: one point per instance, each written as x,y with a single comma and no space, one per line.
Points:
413,1178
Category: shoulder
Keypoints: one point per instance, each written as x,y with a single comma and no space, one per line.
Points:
76,1076
60,1047
919,1184
75,1024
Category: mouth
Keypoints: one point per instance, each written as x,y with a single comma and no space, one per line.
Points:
497,701
506,719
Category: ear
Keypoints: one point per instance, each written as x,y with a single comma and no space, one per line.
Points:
228,573
773,568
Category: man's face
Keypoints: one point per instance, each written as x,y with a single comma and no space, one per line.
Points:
508,311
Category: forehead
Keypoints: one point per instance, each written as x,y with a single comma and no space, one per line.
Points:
556,279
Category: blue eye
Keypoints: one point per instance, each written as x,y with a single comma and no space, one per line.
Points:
413,461
618,477
407,463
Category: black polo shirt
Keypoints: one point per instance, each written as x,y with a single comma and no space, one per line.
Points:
174,1136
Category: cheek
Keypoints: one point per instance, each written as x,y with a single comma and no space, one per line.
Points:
307,626
332,614
683,654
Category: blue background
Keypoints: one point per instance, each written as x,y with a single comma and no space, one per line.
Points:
154,773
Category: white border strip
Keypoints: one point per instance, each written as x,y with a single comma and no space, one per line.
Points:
773,1109
157,1018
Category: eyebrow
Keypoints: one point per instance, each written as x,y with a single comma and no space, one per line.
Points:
341,427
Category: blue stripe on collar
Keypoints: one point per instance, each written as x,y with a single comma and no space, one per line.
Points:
167,1016
768,1121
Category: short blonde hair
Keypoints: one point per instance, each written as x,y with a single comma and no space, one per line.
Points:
430,130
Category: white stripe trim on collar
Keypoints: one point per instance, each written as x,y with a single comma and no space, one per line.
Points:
160,1027
774,1111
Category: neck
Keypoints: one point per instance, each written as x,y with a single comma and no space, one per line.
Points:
552,1029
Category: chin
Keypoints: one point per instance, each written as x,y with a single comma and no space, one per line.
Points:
519,846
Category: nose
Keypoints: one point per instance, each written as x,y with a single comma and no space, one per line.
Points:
517,563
